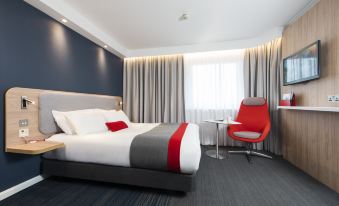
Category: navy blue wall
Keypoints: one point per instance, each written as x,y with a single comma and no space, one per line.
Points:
39,52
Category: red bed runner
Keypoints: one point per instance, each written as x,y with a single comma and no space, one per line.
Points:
173,156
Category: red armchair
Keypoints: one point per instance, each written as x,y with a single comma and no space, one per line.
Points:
255,125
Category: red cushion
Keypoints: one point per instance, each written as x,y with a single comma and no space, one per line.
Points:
116,126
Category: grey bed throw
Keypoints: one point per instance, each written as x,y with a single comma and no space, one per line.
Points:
150,149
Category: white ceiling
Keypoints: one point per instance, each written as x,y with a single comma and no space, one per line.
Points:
141,25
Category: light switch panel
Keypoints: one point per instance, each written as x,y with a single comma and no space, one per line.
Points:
23,122
24,132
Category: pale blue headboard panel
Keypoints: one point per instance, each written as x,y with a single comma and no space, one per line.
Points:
69,101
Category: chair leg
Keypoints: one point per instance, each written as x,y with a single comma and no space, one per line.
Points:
238,152
260,154
249,158
249,153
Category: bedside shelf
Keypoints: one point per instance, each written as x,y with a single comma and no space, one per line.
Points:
35,148
316,109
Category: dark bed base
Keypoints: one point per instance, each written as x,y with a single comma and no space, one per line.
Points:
120,175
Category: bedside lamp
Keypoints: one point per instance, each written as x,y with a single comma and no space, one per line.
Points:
25,101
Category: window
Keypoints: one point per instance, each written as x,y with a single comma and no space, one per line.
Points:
214,88
214,80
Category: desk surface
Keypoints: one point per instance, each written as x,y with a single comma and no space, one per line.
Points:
308,108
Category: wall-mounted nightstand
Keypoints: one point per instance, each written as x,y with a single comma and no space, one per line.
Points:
35,148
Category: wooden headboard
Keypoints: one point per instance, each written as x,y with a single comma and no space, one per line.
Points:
14,112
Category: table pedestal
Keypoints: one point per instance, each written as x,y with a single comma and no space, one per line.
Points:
215,153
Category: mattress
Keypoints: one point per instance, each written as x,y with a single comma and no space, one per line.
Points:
113,148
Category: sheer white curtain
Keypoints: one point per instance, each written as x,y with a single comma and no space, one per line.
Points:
214,88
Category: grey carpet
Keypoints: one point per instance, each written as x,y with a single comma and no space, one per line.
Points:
230,181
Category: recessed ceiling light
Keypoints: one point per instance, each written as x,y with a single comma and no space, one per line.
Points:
183,17
64,20
105,46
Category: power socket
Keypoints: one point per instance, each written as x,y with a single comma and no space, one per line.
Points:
24,132
333,98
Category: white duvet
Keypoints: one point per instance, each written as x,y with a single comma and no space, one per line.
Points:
112,148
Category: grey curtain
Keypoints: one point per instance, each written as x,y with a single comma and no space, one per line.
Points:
262,79
154,89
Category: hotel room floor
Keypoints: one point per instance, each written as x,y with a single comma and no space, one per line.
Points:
230,181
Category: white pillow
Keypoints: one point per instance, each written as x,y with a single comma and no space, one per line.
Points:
114,116
62,122
87,123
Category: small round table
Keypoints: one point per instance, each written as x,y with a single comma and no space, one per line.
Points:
215,153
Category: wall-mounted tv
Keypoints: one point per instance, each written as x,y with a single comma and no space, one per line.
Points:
303,65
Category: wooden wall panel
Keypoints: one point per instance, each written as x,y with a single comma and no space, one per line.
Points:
320,23
13,113
311,139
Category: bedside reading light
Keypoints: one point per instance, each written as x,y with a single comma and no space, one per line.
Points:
120,104
25,101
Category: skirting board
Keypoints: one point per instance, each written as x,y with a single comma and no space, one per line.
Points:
17,188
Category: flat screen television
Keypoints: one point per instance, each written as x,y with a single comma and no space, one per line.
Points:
303,65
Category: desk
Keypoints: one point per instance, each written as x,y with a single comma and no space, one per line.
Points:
215,153
307,108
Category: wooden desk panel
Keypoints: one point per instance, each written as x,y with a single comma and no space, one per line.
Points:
311,142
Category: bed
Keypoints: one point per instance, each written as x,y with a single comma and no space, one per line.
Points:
121,156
